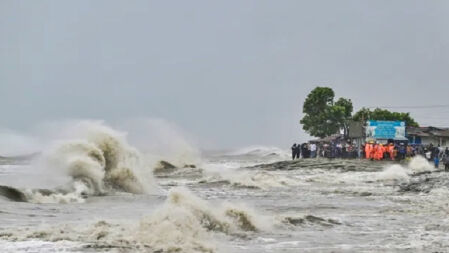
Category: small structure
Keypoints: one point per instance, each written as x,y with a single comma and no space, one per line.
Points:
428,135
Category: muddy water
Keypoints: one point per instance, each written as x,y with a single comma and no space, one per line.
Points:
243,204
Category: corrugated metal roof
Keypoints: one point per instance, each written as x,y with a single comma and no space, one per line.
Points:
428,131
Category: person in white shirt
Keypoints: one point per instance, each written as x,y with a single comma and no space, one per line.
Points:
312,150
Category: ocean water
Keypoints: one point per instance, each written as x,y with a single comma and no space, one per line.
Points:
97,193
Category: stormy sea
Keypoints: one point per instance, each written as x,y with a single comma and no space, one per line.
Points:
96,192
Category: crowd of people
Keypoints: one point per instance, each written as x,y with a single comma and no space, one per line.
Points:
333,150
378,151
397,152
394,151
305,150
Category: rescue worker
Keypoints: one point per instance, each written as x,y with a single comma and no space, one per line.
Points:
380,152
374,151
368,148
391,151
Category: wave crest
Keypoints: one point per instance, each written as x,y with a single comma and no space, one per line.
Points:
98,161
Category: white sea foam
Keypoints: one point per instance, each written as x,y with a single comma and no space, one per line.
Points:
245,178
184,223
399,173
159,139
420,164
97,157
394,173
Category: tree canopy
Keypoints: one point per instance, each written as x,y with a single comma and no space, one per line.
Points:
365,114
323,116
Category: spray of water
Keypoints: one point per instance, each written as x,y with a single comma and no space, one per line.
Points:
401,174
184,223
91,159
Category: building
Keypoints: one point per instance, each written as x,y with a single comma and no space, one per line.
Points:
427,135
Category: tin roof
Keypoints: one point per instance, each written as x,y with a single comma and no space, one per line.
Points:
428,131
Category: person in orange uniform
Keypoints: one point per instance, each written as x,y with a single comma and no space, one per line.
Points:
368,148
391,151
374,151
382,150
379,152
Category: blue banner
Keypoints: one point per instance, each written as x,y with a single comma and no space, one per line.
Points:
385,129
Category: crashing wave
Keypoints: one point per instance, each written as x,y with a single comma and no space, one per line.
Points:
394,173
420,164
182,224
98,162
400,174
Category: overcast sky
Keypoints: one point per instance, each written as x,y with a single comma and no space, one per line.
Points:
231,73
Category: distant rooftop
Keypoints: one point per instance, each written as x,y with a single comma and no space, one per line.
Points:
428,131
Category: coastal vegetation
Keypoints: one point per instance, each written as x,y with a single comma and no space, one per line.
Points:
323,116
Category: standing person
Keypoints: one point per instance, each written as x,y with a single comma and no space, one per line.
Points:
374,151
446,152
294,151
326,151
304,150
436,161
349,151
440,150
380,152
298,151
368,150
432,151
391,151
413,148
409,151
331,149
344,150
395,153
313,150
446,162
339,149
402,151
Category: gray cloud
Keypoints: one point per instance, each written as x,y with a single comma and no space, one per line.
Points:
232,73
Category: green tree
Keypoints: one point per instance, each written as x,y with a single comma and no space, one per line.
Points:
323,117
365,114
345,109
